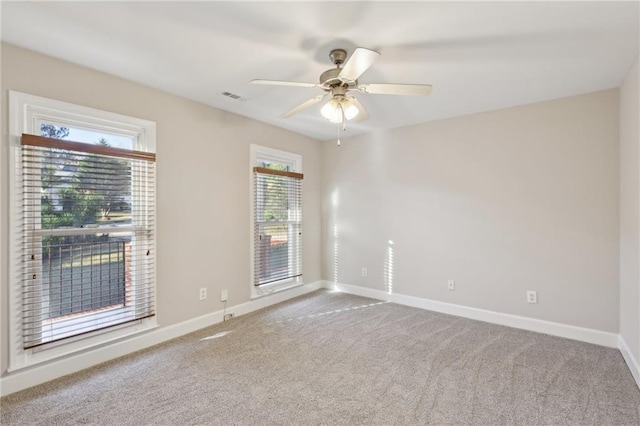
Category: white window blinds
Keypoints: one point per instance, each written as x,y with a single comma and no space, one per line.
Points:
277,226
87,238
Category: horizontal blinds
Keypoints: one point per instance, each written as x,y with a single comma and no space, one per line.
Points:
277,225
88,238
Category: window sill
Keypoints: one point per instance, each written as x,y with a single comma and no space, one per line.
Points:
36,356
258,293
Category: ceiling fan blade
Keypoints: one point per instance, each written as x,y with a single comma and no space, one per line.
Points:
305,104
363,115
284,83
360,61
396,89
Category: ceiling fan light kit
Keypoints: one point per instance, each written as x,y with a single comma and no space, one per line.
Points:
337,82
337,107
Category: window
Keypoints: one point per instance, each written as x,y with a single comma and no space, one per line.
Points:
83,196
277,220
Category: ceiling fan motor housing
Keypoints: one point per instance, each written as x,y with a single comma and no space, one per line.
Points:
329,79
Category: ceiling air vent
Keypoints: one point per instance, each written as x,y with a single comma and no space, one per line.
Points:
232,96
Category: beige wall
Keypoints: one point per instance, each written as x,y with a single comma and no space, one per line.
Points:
630,211
203,182
519,199
502,202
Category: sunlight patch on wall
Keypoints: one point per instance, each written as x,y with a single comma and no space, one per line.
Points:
334,208
335,253
388,268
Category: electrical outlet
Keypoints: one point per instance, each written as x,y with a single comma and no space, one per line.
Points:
227,317
224,295
532,297
451,284
364,272
203,293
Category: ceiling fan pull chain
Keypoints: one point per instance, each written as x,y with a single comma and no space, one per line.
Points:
339,134
343,126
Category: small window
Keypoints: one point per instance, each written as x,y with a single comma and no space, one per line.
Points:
277,220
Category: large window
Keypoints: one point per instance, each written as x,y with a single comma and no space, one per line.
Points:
277,220
83,210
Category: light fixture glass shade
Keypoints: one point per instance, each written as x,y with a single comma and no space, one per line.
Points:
331,110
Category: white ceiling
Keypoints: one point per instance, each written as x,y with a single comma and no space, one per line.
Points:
479,56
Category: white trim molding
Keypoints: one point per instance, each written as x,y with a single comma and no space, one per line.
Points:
42,373
582,334
632,363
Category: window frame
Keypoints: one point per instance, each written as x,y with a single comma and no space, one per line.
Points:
26,112
294,161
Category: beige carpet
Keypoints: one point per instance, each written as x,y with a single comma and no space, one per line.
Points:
332,358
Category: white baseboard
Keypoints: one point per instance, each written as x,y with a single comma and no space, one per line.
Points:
631,361
588,335
28,377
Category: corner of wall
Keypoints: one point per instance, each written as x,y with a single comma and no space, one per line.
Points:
632,362
629,235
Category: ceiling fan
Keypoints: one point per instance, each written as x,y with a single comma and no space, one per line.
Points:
338,82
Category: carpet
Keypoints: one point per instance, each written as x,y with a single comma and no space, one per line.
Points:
338,359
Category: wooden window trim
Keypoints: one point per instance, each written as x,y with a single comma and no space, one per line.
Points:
266,171
44,142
